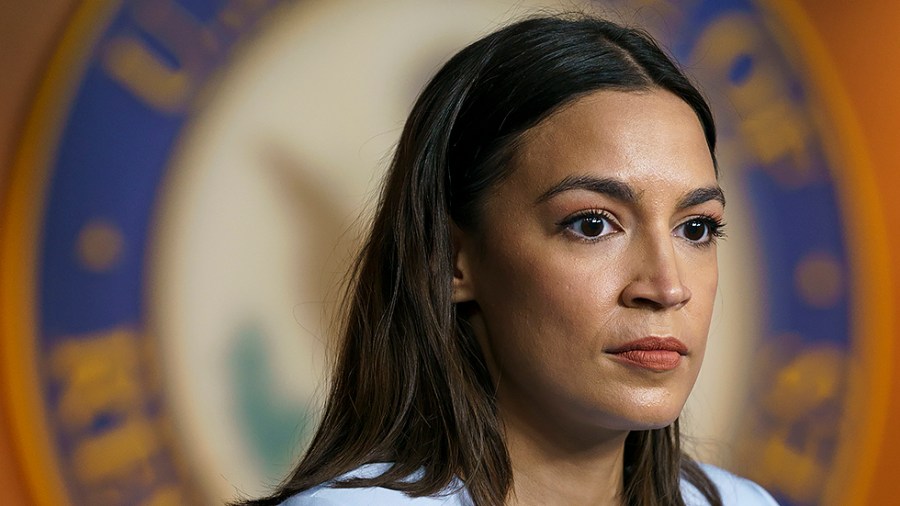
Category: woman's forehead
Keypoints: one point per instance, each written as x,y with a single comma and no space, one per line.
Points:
644,139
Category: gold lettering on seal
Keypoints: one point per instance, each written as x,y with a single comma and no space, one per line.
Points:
145,72
773,125
101,408
122,452
133,64
790,441
167,73
96,375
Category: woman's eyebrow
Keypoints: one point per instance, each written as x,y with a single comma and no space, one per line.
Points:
701,195
614,188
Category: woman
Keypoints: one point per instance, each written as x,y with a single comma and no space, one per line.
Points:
530,311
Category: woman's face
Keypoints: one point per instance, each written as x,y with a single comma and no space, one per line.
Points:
593,267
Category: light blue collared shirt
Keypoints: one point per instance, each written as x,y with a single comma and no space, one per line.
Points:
735,491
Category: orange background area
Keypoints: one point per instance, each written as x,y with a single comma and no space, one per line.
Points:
28,35
859,38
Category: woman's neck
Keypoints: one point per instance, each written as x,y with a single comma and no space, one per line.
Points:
553,467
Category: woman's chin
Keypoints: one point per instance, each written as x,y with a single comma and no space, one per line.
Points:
642,418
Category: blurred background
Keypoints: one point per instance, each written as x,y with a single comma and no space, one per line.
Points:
183,183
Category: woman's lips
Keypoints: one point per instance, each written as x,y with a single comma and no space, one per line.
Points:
658,354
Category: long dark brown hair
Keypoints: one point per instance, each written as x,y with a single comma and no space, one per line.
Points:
410,385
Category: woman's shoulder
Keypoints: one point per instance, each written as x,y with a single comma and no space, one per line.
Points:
733,489
328,495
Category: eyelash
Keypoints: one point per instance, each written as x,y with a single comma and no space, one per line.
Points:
715,227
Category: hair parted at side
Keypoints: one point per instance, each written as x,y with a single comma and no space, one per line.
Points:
410,385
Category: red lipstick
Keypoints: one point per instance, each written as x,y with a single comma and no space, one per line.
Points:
658,354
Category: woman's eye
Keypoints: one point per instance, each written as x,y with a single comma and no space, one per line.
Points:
700,230
695,230
590,226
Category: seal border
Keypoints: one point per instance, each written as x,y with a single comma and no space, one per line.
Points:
19,238
869,388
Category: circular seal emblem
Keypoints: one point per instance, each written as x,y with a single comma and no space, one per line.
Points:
185,198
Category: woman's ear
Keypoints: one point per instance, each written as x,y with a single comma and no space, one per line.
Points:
463,291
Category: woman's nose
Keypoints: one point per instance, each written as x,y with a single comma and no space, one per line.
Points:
656,282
